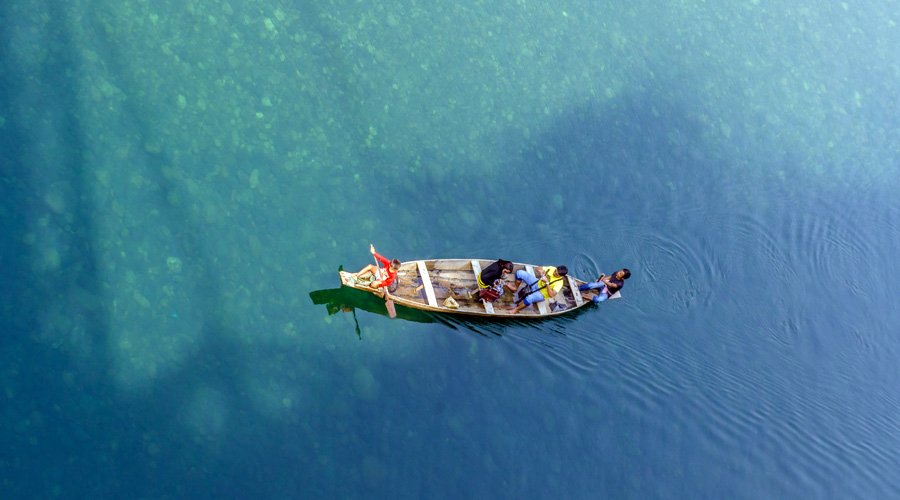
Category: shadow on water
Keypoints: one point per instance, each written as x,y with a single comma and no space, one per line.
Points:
42,144
348,300
68,420
639,142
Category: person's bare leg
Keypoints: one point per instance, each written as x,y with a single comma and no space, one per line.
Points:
368,269
514,310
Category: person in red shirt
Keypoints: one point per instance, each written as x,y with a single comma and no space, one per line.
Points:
382,277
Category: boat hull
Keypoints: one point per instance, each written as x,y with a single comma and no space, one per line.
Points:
427,285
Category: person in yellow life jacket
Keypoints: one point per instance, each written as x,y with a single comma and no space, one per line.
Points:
537,289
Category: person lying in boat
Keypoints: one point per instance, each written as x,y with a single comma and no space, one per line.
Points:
488,287
605,286
546,286
381,277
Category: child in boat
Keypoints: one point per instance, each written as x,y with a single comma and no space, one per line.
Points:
381,277
605,286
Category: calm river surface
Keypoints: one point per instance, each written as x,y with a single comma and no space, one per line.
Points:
179,177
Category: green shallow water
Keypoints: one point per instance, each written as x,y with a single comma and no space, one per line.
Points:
181,182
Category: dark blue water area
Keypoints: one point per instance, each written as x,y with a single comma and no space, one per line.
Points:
172,324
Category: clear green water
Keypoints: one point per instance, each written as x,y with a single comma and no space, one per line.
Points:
179,177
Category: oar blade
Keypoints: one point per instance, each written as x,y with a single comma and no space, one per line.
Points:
391,309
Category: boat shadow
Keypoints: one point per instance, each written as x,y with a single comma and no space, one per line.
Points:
347,300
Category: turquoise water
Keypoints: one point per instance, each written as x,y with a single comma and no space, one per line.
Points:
182,180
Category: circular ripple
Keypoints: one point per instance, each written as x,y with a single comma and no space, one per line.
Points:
836,243
675,274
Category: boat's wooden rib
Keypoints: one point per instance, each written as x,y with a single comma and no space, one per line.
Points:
476,269
425,285
426,281
575,293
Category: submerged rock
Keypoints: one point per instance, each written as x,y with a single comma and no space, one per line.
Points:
174,264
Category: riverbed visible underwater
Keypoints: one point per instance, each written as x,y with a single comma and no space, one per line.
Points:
182,180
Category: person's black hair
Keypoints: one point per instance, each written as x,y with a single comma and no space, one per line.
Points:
562,270
395,263
505,264
627,273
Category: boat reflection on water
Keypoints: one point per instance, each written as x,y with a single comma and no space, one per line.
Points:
348,300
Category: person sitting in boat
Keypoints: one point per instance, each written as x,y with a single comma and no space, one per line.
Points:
537,288
381,276
490,280
605,286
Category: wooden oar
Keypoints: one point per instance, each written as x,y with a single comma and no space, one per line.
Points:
388,302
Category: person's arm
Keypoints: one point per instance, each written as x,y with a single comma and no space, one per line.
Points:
391,276
377,255
555,286
546,282
385,262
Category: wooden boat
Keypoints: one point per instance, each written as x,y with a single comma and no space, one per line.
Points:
440,286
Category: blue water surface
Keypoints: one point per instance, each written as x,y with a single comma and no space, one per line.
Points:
182,180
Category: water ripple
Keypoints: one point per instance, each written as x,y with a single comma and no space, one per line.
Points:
677,274
835,247
755,237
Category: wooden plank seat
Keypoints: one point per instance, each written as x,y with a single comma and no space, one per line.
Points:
575,292
426,282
